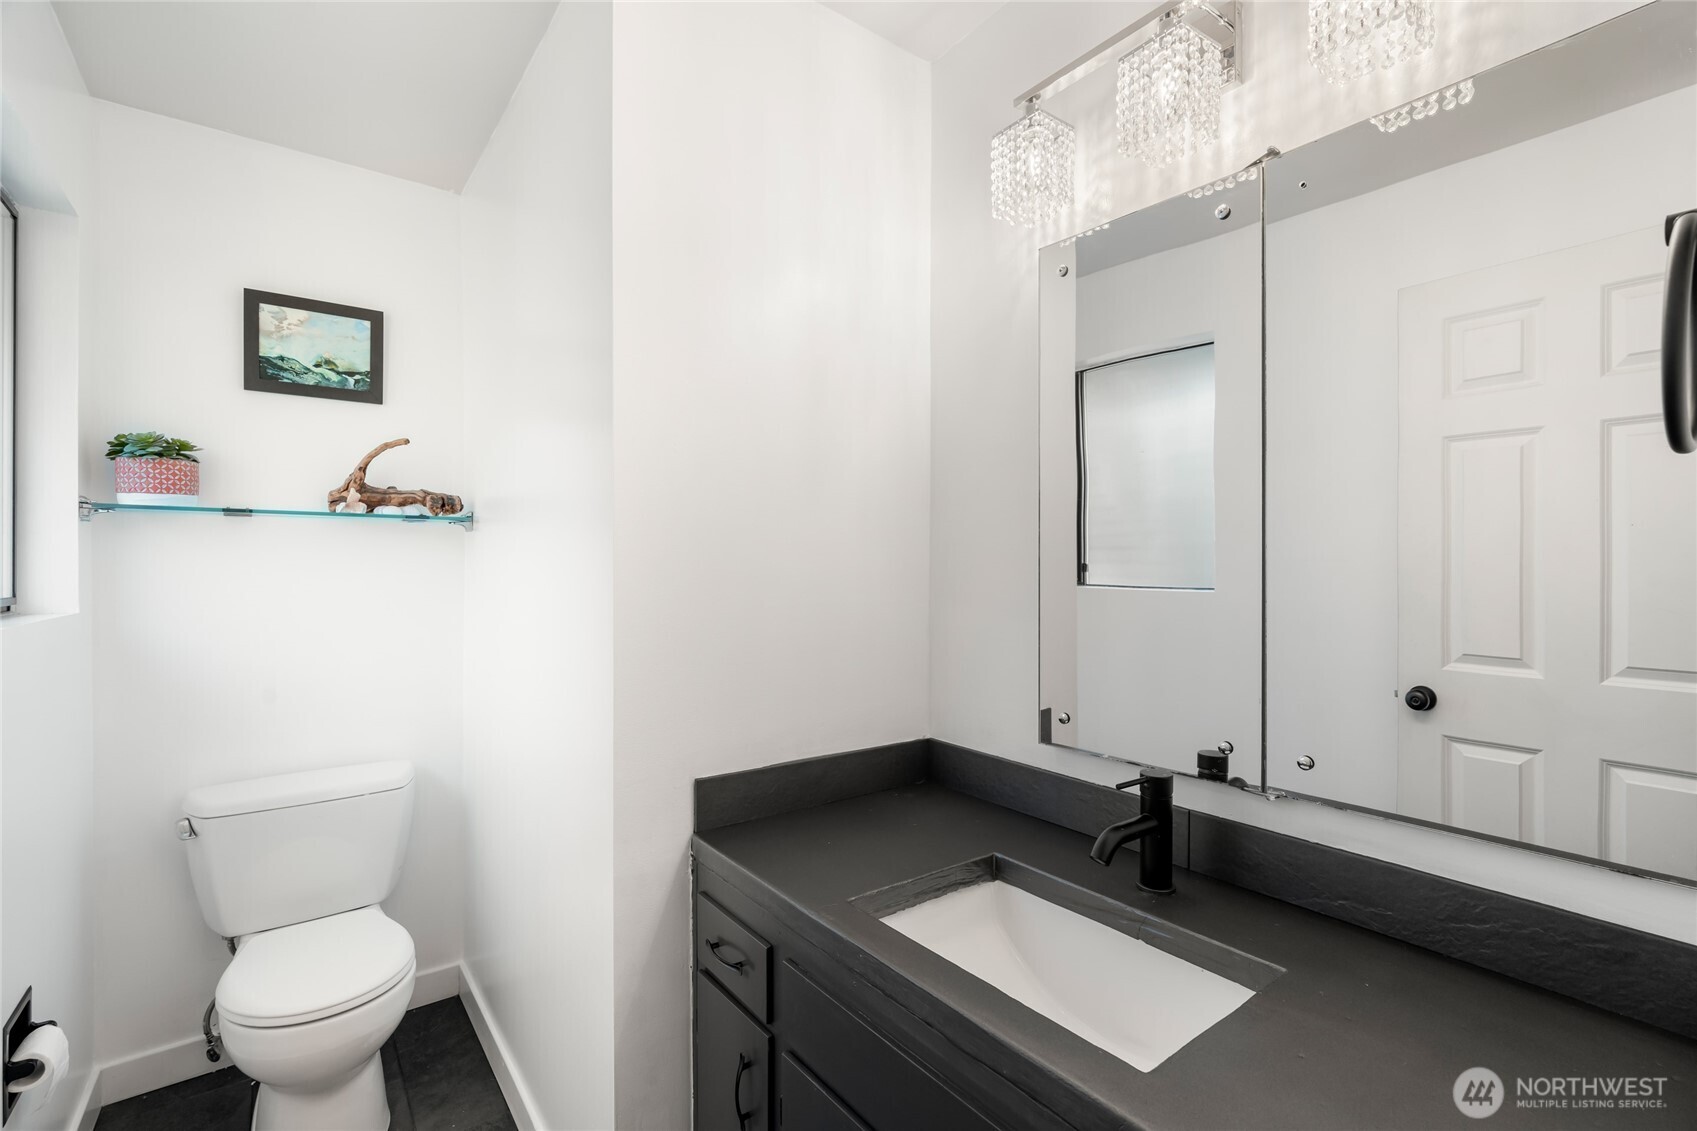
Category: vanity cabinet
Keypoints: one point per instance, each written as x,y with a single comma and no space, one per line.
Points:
733,1064
888,1088
737,958
781,1047
808,1103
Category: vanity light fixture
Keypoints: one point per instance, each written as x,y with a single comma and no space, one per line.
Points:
1173,64
1167,98
1250,172
1447,99
1031,165
1065,243
1351,38
1225,182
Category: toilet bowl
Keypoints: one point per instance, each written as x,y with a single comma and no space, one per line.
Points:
305,1009
293,869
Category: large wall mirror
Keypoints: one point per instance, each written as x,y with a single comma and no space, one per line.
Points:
1151,483
1480,550
1468,485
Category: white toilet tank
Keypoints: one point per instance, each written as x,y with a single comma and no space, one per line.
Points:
273,851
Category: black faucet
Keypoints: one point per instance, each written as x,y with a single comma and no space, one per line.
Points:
1154,827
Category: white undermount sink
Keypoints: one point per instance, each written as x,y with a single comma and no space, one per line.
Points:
1121,994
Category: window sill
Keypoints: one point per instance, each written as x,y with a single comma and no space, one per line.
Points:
10,622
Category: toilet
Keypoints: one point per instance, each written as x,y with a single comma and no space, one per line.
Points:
292,869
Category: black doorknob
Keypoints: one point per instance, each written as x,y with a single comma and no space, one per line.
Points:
1420,698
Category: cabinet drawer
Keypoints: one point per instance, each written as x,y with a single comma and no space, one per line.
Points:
885,1087
734,956
733,1064
804,1104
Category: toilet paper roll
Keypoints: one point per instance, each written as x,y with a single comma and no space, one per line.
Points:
48,1047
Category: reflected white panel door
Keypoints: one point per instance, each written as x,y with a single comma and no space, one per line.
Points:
1548,549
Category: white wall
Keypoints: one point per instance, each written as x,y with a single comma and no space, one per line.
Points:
770,197
773,511
46,834
984,677
537,252
46,681
229,648
46,734
1332,404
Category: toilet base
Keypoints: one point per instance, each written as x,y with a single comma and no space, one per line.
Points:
358,1103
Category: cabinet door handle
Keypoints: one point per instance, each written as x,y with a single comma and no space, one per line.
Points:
713,946
743,1065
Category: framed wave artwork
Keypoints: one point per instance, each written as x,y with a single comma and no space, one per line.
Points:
307,348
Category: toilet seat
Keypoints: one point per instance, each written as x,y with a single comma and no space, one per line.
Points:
308,971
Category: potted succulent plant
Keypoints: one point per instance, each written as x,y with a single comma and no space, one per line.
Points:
154,468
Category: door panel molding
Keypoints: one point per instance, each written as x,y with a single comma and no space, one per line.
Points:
1632,325
1488,351
1491,569
1643,798
1649,560
1493,788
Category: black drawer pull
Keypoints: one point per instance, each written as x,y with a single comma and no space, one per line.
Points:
713,945
743,1065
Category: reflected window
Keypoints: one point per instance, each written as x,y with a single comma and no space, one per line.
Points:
8,399
1146,471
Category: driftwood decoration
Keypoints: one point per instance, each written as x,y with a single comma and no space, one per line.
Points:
355,494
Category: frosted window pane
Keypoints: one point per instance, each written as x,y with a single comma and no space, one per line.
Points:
1148,489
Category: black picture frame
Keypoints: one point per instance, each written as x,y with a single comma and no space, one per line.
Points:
254,382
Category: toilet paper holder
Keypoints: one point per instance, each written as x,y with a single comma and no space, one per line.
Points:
18,1026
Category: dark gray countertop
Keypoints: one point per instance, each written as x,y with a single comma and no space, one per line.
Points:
1361,1031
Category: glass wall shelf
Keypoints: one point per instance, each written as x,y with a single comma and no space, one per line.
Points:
89,508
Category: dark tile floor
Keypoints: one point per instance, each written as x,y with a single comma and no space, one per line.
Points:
437,1076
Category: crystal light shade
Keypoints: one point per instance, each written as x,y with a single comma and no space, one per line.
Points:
1351,38
1168,99
1225,182
1031,166
1447,99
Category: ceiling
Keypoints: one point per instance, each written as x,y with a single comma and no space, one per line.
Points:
409,89
927,30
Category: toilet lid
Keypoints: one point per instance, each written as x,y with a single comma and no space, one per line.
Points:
316,969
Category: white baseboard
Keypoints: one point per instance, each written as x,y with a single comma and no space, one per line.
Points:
155,1068
184,1060
439,984
518,1097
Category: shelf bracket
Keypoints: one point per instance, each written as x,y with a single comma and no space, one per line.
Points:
463,520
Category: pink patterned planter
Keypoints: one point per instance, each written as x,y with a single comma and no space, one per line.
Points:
149,479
